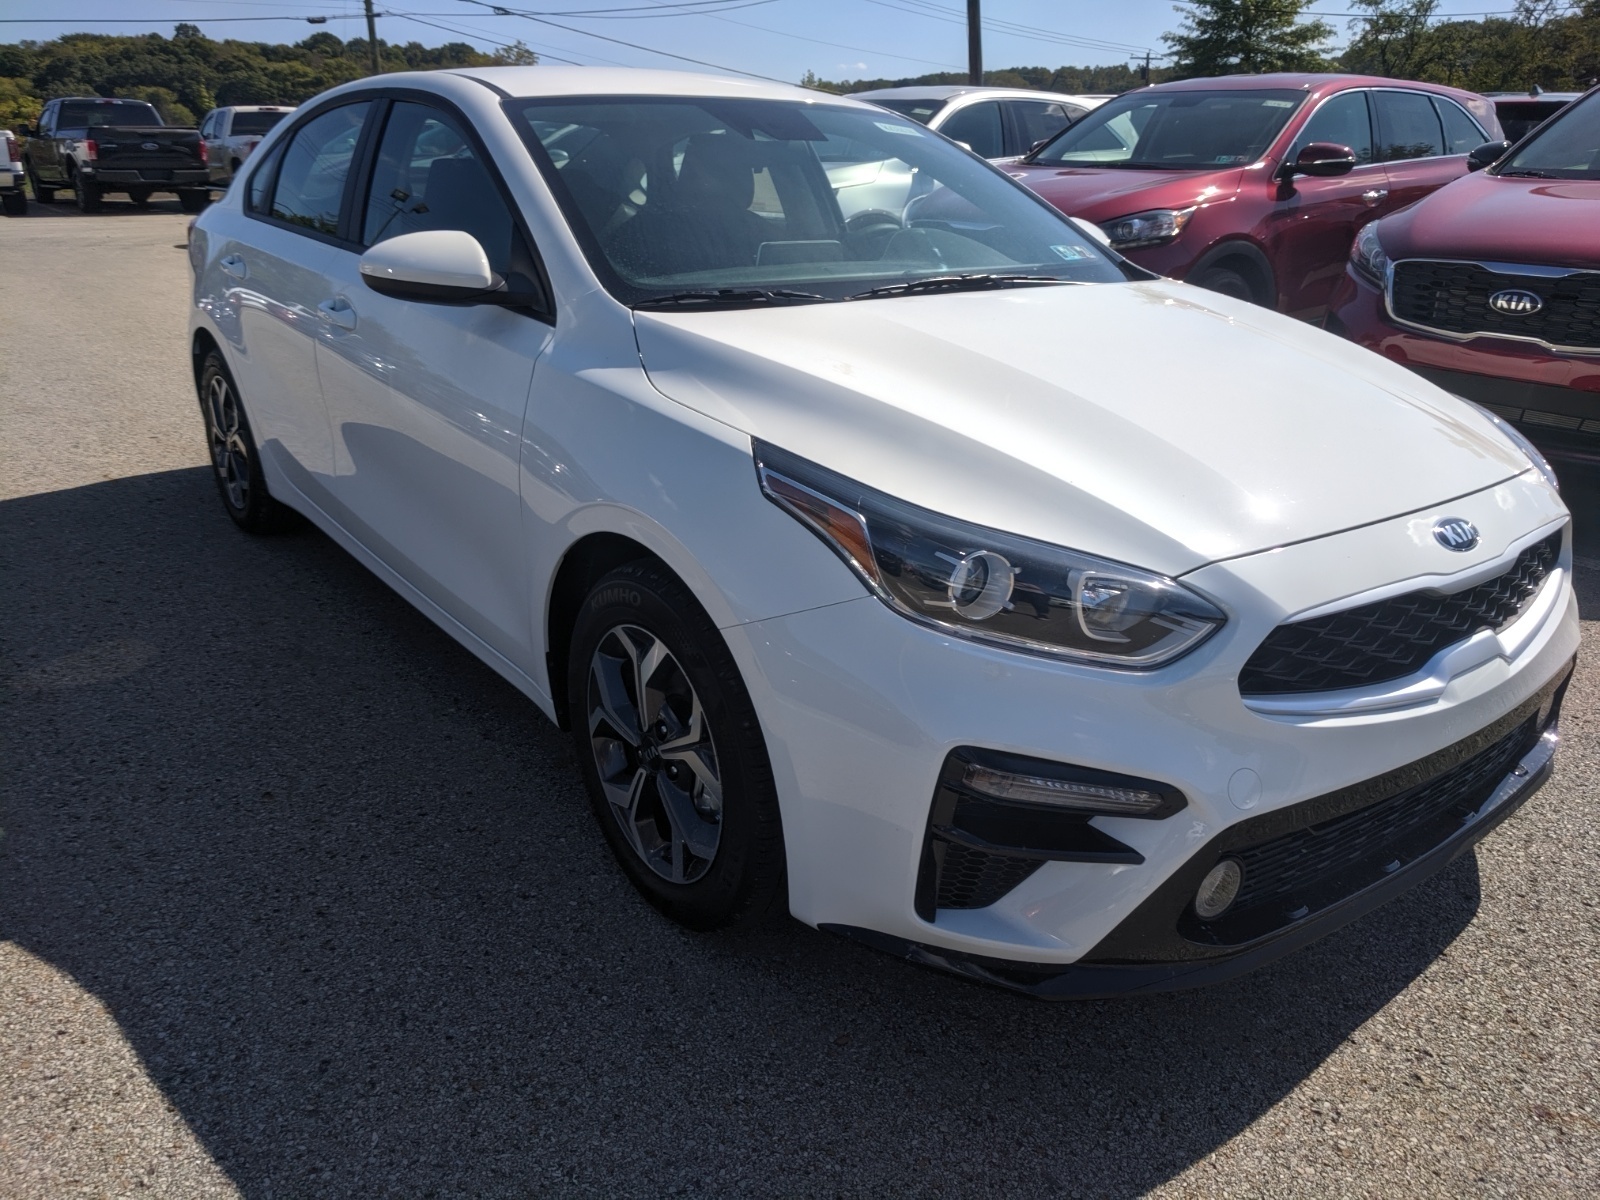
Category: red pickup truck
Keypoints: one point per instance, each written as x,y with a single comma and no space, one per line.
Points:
1491,286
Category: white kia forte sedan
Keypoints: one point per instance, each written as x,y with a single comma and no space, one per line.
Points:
939,576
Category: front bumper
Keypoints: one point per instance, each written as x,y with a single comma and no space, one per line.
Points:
1553,398
860,710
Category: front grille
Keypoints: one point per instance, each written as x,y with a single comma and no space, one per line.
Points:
970,878
1453,297
1375,836
1393,638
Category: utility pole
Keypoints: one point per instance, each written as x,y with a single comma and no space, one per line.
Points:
372,38
974,45
1144,71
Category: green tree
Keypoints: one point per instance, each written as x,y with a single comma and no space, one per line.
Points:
1223,37
517,54
1394,39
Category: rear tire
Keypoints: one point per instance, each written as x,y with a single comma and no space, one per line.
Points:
672,753
15,203
89,195
235,462
194,200
42,194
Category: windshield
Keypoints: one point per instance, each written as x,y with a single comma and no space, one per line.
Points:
677,195
255,122
78,114
1568,148
921,111
1183,130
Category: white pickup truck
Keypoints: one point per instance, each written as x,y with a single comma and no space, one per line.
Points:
13,200
230,135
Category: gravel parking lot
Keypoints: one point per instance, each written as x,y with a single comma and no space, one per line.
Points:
297,898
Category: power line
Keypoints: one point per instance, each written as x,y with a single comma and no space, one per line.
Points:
470,32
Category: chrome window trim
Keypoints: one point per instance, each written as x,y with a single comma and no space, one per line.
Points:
1431,96
1372,127
1494,268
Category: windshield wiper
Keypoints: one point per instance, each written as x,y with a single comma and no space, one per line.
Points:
730,297
1526,173
954,283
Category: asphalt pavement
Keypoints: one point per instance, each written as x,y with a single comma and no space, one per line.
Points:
299,899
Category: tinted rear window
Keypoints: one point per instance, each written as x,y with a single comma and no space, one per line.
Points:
76,114
256,122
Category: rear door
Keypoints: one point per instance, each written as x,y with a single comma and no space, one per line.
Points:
279,262
1315,220
427,400
1413,147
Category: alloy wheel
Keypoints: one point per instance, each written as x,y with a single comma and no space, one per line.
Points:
654,752
229,453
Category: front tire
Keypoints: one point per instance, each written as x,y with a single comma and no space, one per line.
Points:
44,195
235,462
88,193
15,203
1228,282
672,753
194,200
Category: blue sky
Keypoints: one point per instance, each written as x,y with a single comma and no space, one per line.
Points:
777,38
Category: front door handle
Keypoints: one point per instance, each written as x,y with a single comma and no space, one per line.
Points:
338,313
1374,196
233,265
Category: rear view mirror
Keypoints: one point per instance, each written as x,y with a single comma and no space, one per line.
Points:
1487,155
1321,160
444,266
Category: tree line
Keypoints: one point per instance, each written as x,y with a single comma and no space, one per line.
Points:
1553,44
188,74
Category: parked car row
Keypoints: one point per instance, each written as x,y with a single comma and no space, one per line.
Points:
94,146
935,573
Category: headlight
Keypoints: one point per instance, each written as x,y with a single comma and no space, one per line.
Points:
1521,442
1367,256
986,585
1147,228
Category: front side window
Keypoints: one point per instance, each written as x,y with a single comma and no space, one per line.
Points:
1342,120
1567,148
1461,132
315,165
978,128
428,176
1038,119
1408,127
682,197
1177,130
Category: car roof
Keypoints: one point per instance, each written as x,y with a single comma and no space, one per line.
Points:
951,91
1310,81
530,82
1530,98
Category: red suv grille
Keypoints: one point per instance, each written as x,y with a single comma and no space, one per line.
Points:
1453,297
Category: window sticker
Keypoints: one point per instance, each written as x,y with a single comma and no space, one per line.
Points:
1070,253
1278,103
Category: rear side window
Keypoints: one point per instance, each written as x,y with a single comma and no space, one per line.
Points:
1408,127
429,177
1342,120
978,126
1461,132
315,164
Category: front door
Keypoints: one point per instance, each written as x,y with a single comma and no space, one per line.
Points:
1315,220
427,400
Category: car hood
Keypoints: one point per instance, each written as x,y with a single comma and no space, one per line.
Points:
1101,193
1148,422
1491,218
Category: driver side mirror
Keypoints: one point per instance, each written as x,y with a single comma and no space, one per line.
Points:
1487,155
439,266
26,131
1320,160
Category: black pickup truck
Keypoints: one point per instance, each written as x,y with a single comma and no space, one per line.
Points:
91,146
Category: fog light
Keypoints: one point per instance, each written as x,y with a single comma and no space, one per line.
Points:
1063,793
1218,889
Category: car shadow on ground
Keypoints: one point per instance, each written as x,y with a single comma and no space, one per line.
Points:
340,887
113,206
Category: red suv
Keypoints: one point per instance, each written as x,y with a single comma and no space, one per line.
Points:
1491,286
1255,185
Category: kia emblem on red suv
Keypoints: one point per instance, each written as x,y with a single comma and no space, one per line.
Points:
1514,302
1455,533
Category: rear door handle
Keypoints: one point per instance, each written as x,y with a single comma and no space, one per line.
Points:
233,265
1374,196
337,312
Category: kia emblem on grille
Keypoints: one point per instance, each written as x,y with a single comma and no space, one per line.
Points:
1514,302
1455,533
